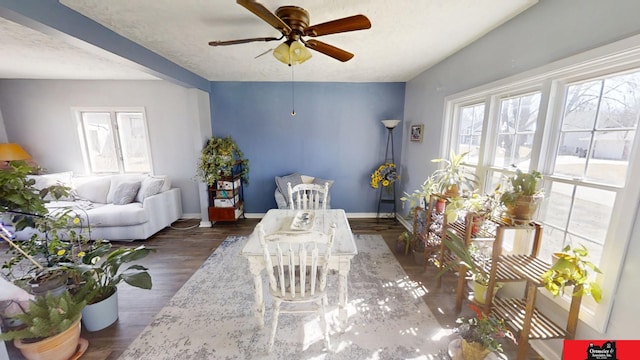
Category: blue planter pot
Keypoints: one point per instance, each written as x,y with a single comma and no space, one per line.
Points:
101,314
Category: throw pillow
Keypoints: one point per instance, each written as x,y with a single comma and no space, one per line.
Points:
93,188
47,180
319,181
125,193
281,183
149,187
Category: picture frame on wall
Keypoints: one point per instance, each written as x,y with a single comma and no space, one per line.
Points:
416,132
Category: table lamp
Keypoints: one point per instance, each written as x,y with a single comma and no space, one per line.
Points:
12,151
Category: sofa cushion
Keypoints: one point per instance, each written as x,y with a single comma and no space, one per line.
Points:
46,180
116,215
92,188
149,186
126,192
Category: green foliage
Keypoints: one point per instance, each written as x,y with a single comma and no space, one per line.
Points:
421,194
47,316
454,173
102,276
572,269
217,159
465,256
521,184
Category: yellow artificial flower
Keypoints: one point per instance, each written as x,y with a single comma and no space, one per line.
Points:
81,254
61,252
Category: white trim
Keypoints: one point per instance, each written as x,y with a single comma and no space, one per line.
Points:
551,79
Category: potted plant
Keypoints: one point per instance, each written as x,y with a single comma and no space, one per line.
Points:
572,268
51,327
472,260
521,195
479,335
100,268
420,196
454,177
217,160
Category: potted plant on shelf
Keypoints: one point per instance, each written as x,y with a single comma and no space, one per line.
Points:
480,334
521,195
420,196
468,258
100,270
217,161
572,268
51,327
454,177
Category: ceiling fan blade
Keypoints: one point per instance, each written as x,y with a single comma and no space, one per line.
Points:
242,41
351,23
329,50
266,15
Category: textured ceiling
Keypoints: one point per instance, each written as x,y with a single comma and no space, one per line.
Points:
406,38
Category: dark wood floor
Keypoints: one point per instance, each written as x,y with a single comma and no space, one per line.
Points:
183,247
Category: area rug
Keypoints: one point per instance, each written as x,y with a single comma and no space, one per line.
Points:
211,316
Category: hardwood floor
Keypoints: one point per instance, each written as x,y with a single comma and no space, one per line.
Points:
183,247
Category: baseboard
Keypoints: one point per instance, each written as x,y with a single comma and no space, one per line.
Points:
191,216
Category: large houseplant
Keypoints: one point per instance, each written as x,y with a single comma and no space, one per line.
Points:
454,177
572,268
217,161
100,268
471,260
51,327
521,195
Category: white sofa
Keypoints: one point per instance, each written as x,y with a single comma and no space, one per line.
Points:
115,207
282,195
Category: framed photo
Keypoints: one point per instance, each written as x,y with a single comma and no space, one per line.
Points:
416,132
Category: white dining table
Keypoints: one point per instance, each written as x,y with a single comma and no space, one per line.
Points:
344,249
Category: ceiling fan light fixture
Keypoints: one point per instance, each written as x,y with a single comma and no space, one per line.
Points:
291,53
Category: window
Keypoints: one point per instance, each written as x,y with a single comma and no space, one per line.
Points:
114,141
577,126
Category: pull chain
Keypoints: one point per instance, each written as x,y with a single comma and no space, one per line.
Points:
293,109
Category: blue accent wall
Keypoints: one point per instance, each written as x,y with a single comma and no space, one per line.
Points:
336,135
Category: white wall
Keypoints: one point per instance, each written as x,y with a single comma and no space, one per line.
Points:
37,114
549,31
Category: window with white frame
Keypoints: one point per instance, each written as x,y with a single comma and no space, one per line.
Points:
578,128
114,140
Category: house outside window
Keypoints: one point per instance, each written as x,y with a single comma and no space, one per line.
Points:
576,126
114,140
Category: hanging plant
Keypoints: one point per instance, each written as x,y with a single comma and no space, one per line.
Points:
217,160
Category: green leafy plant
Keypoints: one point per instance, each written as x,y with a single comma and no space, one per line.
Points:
572,269
454,176
484,330
217,160
466,256
521,184
421,194
47,316
19,197
100,268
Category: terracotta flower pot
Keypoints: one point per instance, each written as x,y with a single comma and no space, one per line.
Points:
57,347
524,208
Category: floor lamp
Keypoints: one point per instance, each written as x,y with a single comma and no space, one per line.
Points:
390,125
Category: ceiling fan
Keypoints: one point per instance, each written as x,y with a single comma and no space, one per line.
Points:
293,23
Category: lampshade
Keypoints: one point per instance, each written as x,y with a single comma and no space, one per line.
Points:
390,124
292,53
11,151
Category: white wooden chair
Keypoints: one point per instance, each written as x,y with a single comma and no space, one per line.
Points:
308,196
297,264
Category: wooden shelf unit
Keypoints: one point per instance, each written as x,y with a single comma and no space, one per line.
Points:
226,199
521,315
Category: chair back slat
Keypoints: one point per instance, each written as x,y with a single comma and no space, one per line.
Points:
308,196
297,262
